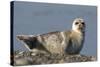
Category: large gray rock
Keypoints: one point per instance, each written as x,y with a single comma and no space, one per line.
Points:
30,58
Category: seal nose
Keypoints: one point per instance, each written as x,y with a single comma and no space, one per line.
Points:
80,26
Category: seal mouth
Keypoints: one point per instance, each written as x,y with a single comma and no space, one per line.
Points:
81,27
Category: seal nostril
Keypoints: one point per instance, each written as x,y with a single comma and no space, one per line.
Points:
80,26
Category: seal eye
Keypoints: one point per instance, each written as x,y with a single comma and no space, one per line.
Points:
76,23
83,23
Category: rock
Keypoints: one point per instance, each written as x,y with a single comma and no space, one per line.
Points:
23,61
27,58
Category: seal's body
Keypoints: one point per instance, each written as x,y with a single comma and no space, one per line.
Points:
69,42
